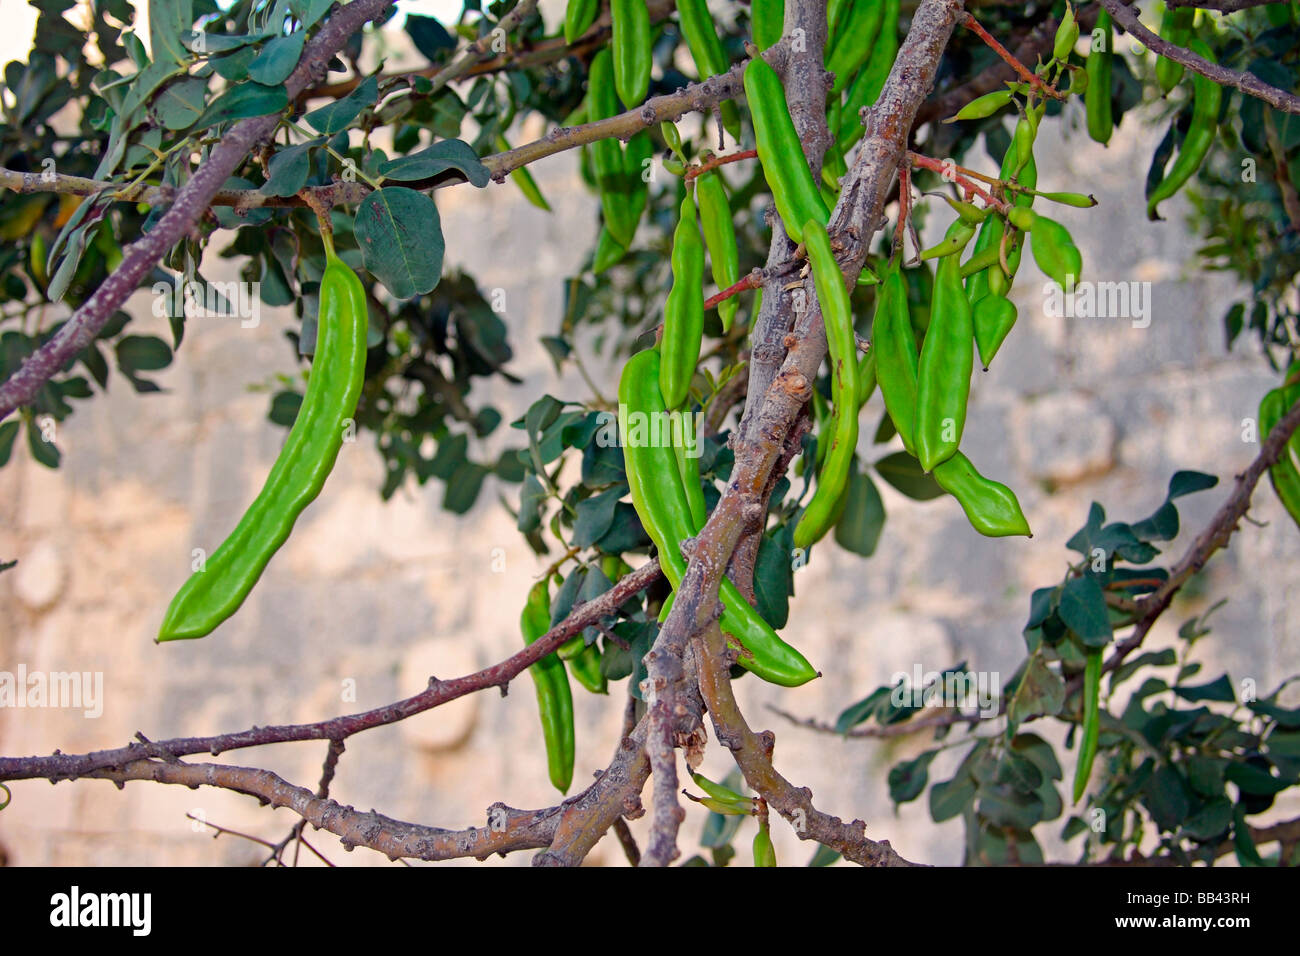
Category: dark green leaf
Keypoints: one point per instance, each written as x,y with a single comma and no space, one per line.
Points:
284,408
850,717
242,102
1217,690
1165,797
142,353
859,527
437,159
1083,610
1211,821
288,170
1252,779
277,59
952,797
595,515
338,116
45,452
904,472
401,240
1040,691
909,778
179,104
1035,748
429,36
824,856
774,577
1189,482
8,434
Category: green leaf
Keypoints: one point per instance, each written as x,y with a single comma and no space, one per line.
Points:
288,170
45,452
1004,806
774,577
1019,772
1217,690
401,241
233,66
595,515
284,408
1040,691
952,797
1252,779
310,11
1189,482
565,598
453,451
429,36
142,353
1211,822
179,104
463,487
437,159
277,59
1280,743
904,472
242,102
8,435
1035,748
824,856
1283,716
1165,797
1162,658
532,499
1243,843
909,778
626,533
1205,775
1083,610
336,117
850,717
169,23
859,527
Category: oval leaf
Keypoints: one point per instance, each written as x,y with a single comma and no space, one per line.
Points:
401,242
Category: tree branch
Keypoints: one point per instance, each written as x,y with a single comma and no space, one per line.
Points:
753,754
1148,609
1127,18
60,766
192,201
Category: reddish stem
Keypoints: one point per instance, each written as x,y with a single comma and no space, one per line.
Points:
946,168
715,161
752,281
970,23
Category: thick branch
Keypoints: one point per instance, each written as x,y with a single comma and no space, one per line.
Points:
753,753
805,81
507,828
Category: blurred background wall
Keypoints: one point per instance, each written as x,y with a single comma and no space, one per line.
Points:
368,599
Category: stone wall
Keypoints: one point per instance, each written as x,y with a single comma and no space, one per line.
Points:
368,599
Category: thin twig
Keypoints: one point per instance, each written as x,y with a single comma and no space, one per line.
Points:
1126,17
